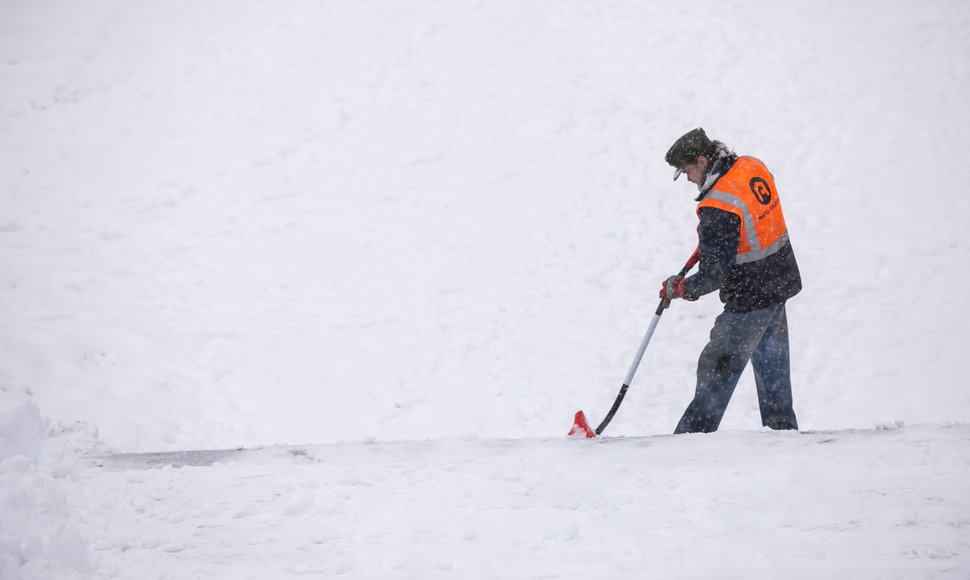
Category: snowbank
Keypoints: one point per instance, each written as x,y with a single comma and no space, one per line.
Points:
37,536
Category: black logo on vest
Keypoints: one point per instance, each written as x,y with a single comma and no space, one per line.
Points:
759,187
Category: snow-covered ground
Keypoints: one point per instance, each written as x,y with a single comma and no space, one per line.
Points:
396,245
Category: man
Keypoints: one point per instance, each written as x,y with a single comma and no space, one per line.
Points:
744,253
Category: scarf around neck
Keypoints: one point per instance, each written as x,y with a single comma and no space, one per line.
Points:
722,161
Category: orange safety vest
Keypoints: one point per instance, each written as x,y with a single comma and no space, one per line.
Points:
748,191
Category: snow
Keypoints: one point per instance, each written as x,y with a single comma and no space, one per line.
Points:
391,248
875,503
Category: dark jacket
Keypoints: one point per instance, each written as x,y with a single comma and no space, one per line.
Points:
743,287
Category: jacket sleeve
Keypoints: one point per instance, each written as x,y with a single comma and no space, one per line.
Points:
719,234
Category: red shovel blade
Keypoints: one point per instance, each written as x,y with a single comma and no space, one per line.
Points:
581,428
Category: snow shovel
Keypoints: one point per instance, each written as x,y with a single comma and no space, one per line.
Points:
581,428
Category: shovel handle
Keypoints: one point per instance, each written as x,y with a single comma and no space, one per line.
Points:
691,262
643,347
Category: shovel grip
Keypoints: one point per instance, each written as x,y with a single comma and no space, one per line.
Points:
691,262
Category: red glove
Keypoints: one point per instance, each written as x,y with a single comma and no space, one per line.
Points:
672,288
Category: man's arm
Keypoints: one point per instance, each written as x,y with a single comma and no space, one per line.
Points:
719,234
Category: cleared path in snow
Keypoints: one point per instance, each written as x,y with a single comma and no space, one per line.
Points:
841,504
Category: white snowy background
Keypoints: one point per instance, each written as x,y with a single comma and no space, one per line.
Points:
412,238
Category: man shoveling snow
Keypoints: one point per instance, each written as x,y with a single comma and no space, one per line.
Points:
744,253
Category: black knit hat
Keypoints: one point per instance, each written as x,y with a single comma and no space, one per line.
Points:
687,149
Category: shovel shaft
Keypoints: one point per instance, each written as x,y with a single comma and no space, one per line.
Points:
633,370
643,348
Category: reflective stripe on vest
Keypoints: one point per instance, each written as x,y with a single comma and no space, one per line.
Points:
748,186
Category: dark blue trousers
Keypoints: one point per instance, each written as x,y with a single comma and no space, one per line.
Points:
761,337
